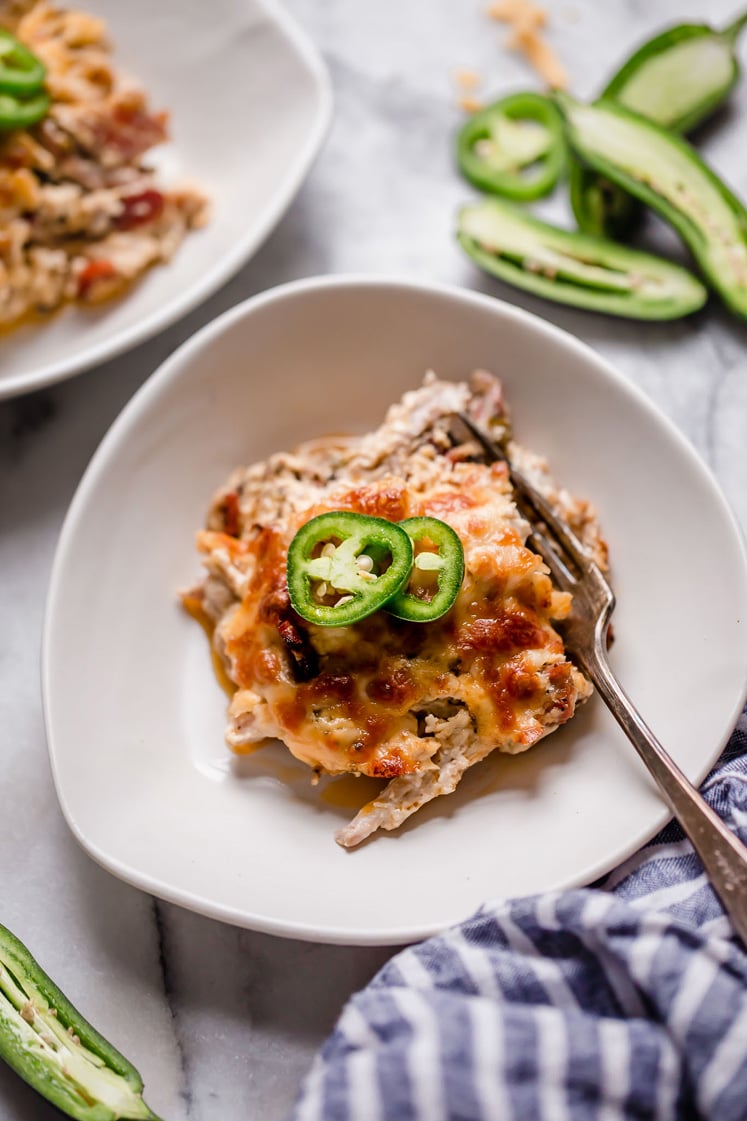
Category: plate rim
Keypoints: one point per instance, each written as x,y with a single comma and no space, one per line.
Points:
310,57
168,372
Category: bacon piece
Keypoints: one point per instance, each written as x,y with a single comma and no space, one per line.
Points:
131,131
138,210
303,657
230,511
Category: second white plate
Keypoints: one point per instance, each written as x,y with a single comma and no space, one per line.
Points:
249,102
134,714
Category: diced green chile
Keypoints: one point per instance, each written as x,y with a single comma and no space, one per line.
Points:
574,268
677,79
446,562
49,1044
514,147
21,72
344,566
18,113
667,174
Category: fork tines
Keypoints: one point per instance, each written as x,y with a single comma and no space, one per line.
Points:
551,536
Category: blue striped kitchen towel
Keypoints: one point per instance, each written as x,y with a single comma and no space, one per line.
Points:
622,1002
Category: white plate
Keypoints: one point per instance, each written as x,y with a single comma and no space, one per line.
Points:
249,101
135,717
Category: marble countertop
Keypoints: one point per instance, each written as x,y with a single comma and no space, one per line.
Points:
223,1022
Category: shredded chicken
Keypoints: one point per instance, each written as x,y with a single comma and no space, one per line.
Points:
413,703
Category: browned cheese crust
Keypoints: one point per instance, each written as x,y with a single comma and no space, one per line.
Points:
413,703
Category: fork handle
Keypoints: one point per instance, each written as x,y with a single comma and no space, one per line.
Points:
723,855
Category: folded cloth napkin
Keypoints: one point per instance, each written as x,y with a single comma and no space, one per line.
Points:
627,1000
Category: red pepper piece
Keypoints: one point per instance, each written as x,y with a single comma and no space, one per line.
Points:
94,271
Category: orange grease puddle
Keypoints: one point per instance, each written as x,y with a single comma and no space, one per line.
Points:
193,607
249,748
349,792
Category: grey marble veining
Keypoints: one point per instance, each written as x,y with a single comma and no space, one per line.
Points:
223,1023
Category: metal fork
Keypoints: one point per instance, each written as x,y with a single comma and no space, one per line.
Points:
723,855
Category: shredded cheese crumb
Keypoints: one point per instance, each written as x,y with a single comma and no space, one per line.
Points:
541,56
470,104
525,20
518,13
467,79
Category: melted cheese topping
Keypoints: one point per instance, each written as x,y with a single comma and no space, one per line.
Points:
358,698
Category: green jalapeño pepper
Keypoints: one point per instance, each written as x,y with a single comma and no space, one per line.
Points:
21,72
677,79
17,113
514,147
573,268
600,207
681,76
344,566
437,571
49,1044
667,174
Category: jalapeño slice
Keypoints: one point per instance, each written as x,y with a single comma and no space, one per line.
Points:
514,147
17,112
344,566
21,72
437,572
